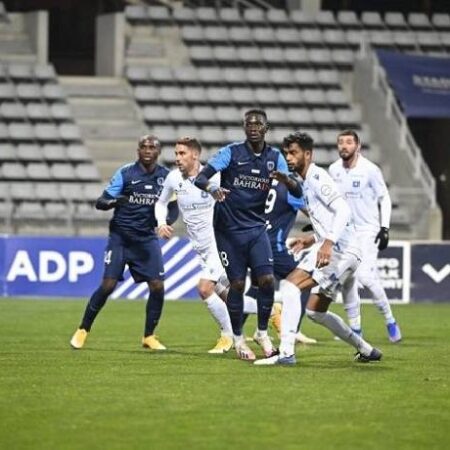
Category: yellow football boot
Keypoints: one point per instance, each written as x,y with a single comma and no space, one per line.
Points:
152,343
224,344
79,338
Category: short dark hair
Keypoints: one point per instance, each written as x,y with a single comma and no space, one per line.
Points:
149,137
350,133
190,142
303,140
261,112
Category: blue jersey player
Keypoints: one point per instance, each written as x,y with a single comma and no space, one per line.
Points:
281,210
239,222
132,192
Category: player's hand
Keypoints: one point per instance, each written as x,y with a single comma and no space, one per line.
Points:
218,193
382,238
296,245
279,176
165,231
324,254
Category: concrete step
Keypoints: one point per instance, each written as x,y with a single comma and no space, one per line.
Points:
114,151
106,108
111,129
95,87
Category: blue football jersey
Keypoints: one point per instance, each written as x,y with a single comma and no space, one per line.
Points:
246,176
281,210
136,218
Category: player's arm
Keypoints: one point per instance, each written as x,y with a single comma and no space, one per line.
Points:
217,163
283,175
162,211
385,205
112,196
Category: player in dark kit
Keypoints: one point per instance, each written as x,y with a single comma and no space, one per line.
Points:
133,192
281,211
239,222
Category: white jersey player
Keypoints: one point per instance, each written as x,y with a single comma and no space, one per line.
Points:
197,207
338,255
362,184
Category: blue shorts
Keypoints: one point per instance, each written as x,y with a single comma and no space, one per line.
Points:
144,259
239,251
283,263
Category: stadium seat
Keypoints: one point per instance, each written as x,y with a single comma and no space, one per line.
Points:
299,117
305,77
29,211
8,152
395,21
272,57
29,91
209,75
243,96
76,192
192,34
229,16
44,72
278,17
47,132
69,132
343,59
204,115
215,35
372,20
287,37
296,57
60,112
206,15
21,132
38,112
428,41
185,75
348,20
264,36
54,153
328,78
225,55
249,55
4,132
156,114
419,21
195,95
336,98
161,75
228,115
13,111
13,171
23,191
323,117
183,15
441,21
176,114
87,172
325,19
62,172
266,96
381,38
77,153
29,152
158,15
404,40
291,96
53,92
212,136
281,77
334,38
201,54
47,191
257,77
240,35
254,17
146,94
20,72
38,171
7,92
320,58
277,115
218,95
136,13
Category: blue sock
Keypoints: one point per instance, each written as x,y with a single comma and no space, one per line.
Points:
95,304
235,306
153,310
265,303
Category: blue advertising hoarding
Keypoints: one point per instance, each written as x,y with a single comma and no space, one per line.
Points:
73,267
421,83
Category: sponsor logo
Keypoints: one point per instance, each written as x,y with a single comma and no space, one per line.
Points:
270,166
326,190
436,275
135,181
243,163
356,184
160,181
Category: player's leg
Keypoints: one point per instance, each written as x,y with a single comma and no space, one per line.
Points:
114,264
300,337
146,264
261,265
218,310
329,280
352,304
368,276
233,254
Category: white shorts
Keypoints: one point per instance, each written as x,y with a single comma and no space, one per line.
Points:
211,265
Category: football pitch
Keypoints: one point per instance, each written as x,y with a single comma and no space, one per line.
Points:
114,394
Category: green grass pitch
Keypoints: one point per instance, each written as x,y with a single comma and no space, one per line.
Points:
114,394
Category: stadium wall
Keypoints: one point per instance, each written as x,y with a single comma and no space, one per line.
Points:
72,267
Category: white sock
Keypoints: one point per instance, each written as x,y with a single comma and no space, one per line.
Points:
218,310
250,305
352,304
290,316
380,300
261,333
339,328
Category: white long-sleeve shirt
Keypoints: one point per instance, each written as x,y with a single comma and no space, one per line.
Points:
329,213
366,192
196,207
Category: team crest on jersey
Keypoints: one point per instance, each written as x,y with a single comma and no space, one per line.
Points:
356,184
160,181
204,194
270,166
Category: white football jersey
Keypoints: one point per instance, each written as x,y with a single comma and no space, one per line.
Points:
319,191
196,207
362,186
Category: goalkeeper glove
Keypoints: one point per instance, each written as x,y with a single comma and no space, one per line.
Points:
382,238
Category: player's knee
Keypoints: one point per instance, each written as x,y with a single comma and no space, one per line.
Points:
205,290
238,286
266,282
315,316
108,286
156,286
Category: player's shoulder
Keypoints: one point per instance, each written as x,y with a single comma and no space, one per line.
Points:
335,166
162,171
368,165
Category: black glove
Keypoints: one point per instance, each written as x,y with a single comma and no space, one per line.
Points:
308,227
382,238
104,203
